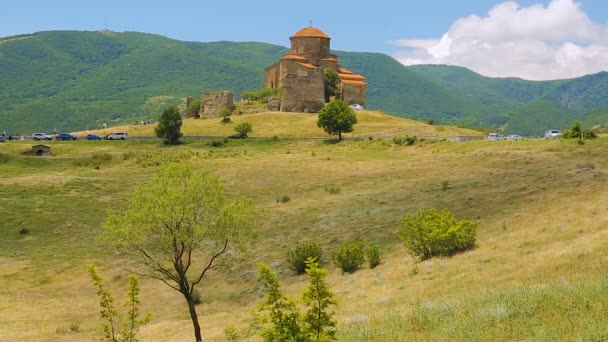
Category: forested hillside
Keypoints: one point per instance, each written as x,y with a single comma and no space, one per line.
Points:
69,80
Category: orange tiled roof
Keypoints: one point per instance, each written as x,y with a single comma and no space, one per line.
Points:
310,32
291,56
344,71
354,82
351,77
328,59
307,65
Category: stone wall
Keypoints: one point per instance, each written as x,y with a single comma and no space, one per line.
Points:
212,103
303,93
354,94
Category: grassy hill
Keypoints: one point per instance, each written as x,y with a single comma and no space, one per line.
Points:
71,80
304,125
538,271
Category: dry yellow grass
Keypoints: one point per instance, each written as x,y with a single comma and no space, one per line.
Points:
301,125
540,205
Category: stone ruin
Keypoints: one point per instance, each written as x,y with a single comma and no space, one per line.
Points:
212,103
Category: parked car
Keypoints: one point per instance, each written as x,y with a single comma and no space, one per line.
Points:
357,106
117,136
514,137
92,137
41,136
553,133
495,136
65,136
2,139
13,137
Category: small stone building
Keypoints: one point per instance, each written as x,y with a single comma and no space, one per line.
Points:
300,74
212,103
38,150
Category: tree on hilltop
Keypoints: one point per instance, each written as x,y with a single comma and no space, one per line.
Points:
336,117
179,228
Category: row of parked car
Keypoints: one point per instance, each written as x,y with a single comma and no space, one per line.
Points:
549,134
67,136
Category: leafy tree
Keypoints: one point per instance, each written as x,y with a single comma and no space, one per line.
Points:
577,132
318,322
178,228
332,81
336,117
225,113
282,311
193,109
169,125
432,232
243,129
113,319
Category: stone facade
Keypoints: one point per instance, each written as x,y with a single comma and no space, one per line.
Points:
212,103
300,74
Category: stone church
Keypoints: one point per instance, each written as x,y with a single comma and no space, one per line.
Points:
300,74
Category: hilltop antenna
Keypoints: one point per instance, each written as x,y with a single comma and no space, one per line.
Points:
310,23
106,23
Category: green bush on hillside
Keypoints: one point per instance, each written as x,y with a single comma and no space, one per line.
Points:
373,255
297,257
350,255
432,232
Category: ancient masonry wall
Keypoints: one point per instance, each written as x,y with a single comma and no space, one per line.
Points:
303,93
212,103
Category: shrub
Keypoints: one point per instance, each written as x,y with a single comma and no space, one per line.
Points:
350,255
243,129
218,143
333,190
373,254
445,184
407,140
283,199
196,297
24,231
432,232
297,257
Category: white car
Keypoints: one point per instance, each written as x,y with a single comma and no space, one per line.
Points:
117,136
514,137
41,136
553,133
495,136
357,106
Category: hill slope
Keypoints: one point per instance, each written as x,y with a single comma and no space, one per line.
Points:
69,80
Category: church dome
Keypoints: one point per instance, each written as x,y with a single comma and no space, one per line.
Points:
310,32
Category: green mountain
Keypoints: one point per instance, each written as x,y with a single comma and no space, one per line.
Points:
69,80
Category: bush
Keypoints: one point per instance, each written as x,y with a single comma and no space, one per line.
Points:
431,233
297,257
243,129
373,254
350,255
218,143
333,190
24,231
283,199
407,140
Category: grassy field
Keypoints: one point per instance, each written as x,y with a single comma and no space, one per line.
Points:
538,271
302,125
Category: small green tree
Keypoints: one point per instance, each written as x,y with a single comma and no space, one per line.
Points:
318,321
350,255
225,113
298,257
282,312
332,81
113,319
169,125
193,109
336,117
373,254
432,232
177,229
243,129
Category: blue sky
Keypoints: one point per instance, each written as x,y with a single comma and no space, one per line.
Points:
355,25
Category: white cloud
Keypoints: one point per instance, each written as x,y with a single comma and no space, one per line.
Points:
536,42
